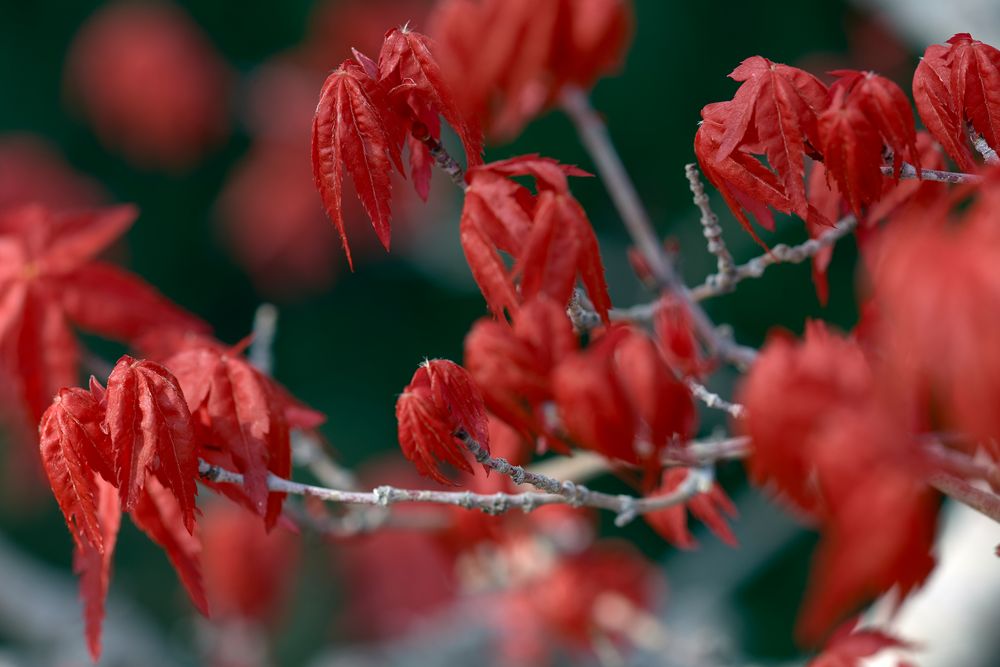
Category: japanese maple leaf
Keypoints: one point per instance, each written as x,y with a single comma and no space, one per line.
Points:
934,283
151,430
508,60
440,401
711,508
746,185
367,111
513,364
159,514
50,279
76,452
801,400
939,110
594,405
408,69
354,129
243,417
860,556
775,110
773,114
867,114
958,84
547,234
92,563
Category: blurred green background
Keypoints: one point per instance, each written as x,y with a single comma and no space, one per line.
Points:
349,349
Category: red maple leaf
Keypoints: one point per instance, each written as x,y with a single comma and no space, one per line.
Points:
709,508
440,401
508,60
849,645
159,514
957,84
243,417
513,364
547,234
75,450
354,129
92,563
867,114
151,430
50,279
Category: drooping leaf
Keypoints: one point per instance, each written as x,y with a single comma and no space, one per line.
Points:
158,513
867,112
350,132
407,67
711,508
151,430
74,448
937,106
440,400
93,565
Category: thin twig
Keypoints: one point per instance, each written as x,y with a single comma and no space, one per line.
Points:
982,146
958,489
711,228
713,400
714,286
908,171
626,508
442,158
595,138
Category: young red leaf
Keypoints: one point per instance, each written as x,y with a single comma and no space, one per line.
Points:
663,404
867,112
513,365
937,106
861,556
440,401
975,84
151,430
508,60
158,513
710,508
73,448
548,235
775,109
794,395
350,131
407,67
594,406
93,565
51,280
244,415
746,185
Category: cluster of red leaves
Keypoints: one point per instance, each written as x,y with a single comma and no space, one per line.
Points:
150,83
367,111
829,438
508,60
49,279
546,233
784,115
538,579
139,441
934,290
